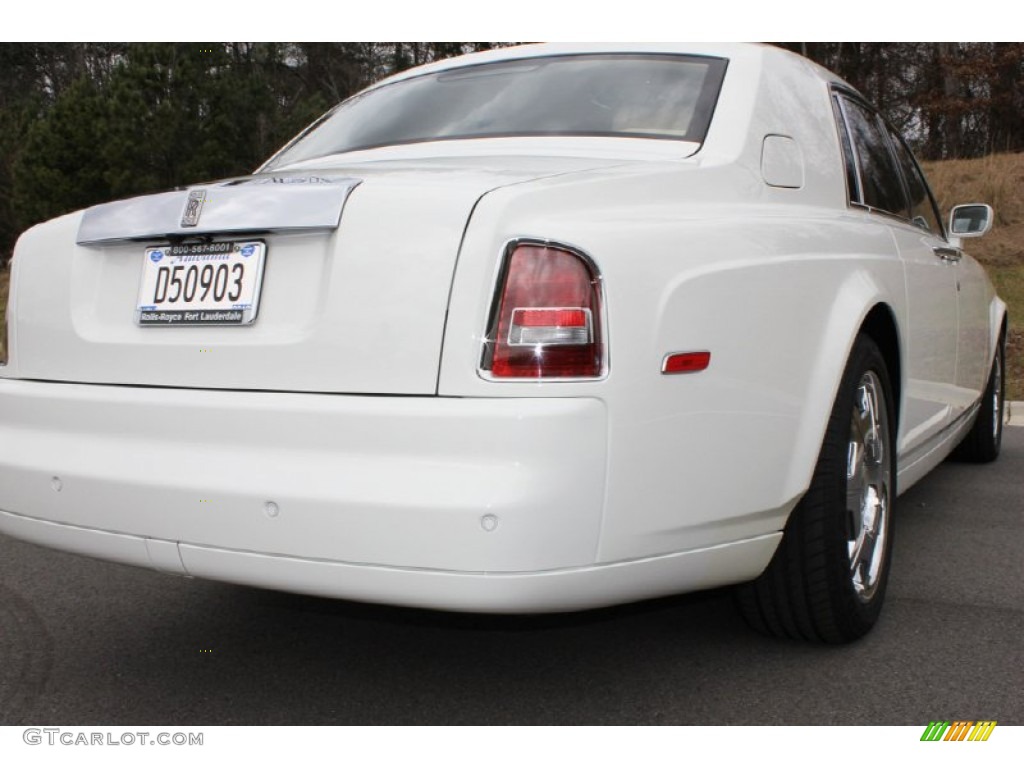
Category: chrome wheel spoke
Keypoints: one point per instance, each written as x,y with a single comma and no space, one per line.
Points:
997,396
861,558
868,470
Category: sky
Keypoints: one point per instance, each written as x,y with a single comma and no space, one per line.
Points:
523,20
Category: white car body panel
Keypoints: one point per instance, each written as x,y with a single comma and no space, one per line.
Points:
385,289
397,471
399,482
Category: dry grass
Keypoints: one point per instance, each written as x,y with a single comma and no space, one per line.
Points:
1009,281
999,181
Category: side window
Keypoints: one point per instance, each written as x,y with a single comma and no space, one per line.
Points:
880,183
923,211
852,184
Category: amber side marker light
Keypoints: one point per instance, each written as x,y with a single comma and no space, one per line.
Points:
686,362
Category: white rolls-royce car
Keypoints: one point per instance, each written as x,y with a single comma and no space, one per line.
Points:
539,329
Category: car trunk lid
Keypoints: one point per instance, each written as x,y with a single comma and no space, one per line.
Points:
354,292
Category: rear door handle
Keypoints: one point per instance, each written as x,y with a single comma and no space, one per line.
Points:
952,255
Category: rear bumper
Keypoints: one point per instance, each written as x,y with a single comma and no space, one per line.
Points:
569,589
462,504
412,482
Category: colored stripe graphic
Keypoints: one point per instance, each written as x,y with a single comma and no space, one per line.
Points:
958,730
982,730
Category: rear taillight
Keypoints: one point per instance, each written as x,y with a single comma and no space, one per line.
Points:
546,320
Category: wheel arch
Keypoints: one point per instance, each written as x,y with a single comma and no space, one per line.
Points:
861,306
1000,322
880,325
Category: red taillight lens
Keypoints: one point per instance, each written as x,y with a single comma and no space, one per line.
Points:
547,319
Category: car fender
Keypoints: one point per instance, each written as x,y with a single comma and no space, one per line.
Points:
1000,318
855,298
745,435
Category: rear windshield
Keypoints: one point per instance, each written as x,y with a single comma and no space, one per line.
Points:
647,96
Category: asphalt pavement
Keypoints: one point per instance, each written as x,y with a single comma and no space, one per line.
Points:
86,642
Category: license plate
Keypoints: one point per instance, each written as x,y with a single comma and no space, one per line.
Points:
201,284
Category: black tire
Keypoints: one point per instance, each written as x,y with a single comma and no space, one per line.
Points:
982,443
810,591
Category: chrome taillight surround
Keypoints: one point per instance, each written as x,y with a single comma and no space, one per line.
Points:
551,329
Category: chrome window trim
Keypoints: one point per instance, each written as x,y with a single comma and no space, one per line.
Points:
839,93
943,235
843,129
880,125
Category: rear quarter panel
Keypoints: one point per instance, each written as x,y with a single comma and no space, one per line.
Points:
703,254
776,292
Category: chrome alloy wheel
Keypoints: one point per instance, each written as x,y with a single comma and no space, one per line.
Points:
997,396
868,486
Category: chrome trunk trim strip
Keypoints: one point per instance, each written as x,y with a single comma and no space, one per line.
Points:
252,204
